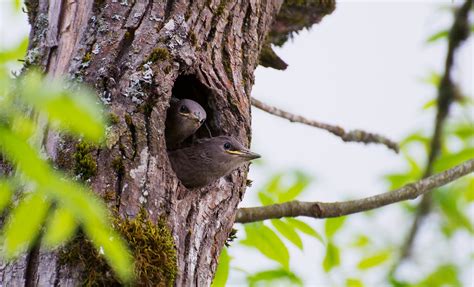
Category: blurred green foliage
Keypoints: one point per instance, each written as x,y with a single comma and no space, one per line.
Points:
272,238
268,237
282,276
452,204
222,269
38,202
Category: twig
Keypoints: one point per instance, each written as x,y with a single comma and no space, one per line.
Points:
335,209
347,136
446,95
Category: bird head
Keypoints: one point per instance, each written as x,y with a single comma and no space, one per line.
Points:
190,110
228,150
209,159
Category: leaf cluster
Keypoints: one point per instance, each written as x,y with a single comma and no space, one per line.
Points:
39,203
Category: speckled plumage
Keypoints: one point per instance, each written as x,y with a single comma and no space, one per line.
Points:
209,159
184,119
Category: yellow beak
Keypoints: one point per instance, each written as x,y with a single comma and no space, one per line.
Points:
244,153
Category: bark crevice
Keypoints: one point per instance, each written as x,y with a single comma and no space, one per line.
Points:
32,266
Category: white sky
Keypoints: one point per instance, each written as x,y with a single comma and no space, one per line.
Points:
359,68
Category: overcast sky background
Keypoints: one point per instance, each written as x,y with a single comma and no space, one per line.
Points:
359,68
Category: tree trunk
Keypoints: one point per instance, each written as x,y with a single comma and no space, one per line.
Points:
137,55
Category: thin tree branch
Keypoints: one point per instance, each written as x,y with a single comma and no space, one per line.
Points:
335,209
446,95
347,136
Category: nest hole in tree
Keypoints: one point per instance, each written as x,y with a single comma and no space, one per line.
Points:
189,87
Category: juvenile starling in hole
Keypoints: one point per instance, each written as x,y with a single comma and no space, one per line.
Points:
184,119
209,159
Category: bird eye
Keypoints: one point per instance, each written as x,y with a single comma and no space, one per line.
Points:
183,109
227,146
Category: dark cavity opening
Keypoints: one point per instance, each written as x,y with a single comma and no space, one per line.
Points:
189,87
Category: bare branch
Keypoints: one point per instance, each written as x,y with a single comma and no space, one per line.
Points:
350,136
446,95
335,209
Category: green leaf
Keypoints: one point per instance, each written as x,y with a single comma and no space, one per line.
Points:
414,172
60,227
89,209
23,156
275,191
288,232
469,194
361,241
438,36
17,4
353,282
23,127
416,138
394,282
433,79
453,213
273,185
265,199
75,110
374,260
445,275
304,227
5,194
332,225
397,180
267,242
274,275
464,130
301,183
222,272
332,258
75,198
24,224
445,162
14,54
113,248
90,212
430,104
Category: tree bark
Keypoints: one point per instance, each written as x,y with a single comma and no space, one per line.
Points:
137,55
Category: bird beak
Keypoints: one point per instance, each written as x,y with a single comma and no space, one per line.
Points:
195,117
192,117
245,154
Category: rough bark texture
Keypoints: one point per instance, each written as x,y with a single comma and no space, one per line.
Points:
137,54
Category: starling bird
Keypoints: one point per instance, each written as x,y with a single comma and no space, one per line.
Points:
209,159
184,119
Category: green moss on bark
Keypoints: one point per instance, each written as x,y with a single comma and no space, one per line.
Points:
158,54
193,39
85,164
113,119
87,57
117,164
152,246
